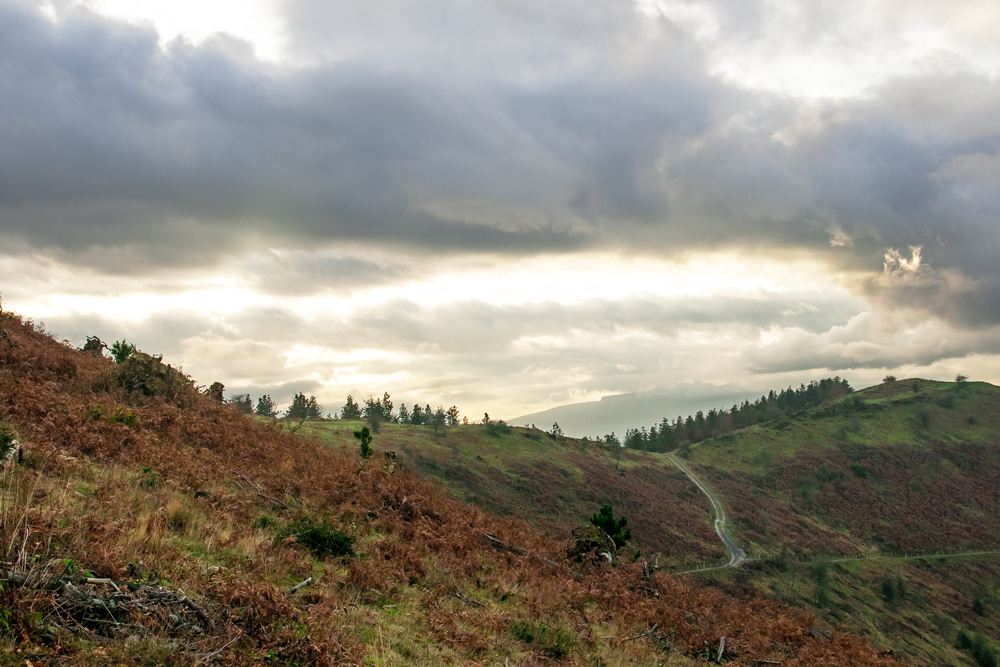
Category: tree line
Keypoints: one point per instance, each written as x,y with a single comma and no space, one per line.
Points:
375,411
669,435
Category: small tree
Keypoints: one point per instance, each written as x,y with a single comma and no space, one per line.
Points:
122,350
304,408
365,436
266,407
556,431
617,529
297,410
242,402
453,416
372,413
888,379
351,410
417,416
386,405
404,414
438,420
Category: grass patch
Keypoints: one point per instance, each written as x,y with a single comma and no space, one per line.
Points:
553,641
320,538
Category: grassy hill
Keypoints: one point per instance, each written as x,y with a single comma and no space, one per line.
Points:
907,467
143,523
911,466
554,483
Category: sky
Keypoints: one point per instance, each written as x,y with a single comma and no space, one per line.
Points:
507,205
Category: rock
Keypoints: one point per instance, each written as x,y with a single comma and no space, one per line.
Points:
818,632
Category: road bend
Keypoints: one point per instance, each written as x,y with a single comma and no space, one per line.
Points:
736,555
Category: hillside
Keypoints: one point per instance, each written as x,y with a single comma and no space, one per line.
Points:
554,483
145,523
908,467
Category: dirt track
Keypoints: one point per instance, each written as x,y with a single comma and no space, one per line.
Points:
736,555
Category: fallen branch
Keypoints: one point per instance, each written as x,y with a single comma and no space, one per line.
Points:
260,494
199,612
296,587
209,656
94,580
246,479
500,546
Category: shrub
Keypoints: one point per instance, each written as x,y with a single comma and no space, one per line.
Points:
264,523
556,642
149,479
893,589
7,440
947,401
365,436
859,470
123,416
122,350
978,607
617,529
321,539
497,427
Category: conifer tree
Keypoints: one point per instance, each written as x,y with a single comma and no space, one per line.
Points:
266,407
351,410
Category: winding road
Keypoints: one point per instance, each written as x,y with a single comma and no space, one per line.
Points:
736,555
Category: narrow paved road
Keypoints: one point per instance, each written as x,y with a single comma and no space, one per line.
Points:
736,555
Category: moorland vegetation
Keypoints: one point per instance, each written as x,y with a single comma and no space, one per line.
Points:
143,521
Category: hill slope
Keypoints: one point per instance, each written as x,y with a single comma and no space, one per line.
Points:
909,467
554,483
143,530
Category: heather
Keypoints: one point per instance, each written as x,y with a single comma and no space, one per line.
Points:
176,495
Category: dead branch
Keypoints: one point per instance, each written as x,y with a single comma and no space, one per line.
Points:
209,656
296,587
199,612
246,479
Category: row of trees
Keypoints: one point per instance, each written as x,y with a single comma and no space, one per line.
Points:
669,435
377,411
268,408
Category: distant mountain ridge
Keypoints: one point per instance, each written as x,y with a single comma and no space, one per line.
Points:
621,412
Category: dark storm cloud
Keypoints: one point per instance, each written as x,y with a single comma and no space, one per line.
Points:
503,126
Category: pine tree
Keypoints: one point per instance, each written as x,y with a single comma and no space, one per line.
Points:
617,529
242,402
351,410
266,407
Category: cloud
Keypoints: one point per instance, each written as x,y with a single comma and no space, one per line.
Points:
328,204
